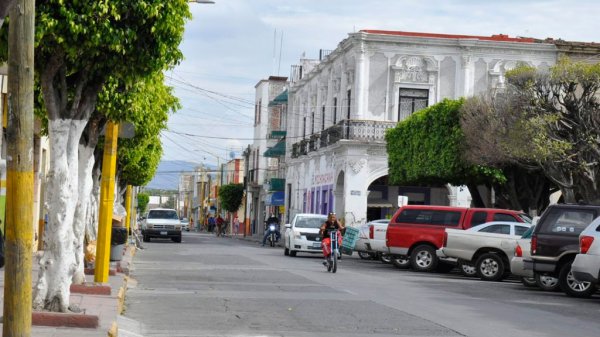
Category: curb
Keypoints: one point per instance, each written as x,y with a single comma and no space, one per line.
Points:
60,319
91,289
114,330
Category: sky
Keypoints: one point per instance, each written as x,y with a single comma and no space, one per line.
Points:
231,45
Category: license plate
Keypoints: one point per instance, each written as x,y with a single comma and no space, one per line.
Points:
163,233
316,245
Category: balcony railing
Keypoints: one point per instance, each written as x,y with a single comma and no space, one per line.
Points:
357,130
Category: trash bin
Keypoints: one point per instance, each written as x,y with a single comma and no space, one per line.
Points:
117,243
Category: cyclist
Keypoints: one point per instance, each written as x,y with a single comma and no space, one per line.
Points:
331,224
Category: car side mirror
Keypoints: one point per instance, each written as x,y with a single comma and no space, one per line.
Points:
287,225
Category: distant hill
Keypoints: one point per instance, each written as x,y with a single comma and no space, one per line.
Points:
167,174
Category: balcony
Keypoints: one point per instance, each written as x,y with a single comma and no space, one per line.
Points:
355,130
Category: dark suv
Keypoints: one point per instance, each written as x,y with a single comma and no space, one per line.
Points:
555,242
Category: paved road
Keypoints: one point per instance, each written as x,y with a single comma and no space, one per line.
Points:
209,286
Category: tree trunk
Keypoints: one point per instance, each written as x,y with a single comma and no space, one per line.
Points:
57,263
86,184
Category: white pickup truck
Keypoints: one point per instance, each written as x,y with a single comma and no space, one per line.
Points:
377,244
483,249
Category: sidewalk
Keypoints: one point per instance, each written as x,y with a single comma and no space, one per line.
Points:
106,307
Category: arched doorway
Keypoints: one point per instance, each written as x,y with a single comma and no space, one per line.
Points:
380,199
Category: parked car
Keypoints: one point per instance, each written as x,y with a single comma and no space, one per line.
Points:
417,231
586,266
527,277
185,224
161,223
377,244
302,235
483,249
555,243
361,245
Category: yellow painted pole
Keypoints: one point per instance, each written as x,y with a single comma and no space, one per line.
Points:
18,247
107,199
128,208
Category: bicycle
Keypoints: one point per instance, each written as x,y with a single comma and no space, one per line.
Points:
334,252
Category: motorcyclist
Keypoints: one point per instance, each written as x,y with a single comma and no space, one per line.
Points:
271,220
331,224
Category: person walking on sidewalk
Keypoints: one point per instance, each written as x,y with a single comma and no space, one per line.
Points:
236,225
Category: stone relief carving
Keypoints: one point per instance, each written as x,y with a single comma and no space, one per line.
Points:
358,165
350,77
499,68
336,84
411,70
415,69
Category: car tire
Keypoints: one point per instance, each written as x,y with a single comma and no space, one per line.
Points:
571,286
546,282
146,238
176,239
490,267
286,252
401,261
365,255
385,258
423,258
292,253
529,282
467,268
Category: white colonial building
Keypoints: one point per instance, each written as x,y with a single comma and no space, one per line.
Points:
341,105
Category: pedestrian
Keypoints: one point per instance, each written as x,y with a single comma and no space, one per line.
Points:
236,225
211,223
220,223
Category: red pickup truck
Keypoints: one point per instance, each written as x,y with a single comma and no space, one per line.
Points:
417,231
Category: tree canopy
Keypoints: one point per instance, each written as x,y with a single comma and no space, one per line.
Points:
142,202
428,149
547,121
231,196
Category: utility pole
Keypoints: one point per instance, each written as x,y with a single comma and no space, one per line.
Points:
19,187
107,199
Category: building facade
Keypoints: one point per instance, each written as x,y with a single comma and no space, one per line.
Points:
341,106
262,169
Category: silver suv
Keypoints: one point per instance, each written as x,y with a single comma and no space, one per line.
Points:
162,223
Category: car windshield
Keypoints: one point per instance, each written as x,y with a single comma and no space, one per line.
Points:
310,221
525,217
162,214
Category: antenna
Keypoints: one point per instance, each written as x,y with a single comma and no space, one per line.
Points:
274,49
280,48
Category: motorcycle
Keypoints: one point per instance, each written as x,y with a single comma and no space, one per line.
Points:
334,252
272,234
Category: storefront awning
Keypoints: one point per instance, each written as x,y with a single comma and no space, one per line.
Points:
280,99
379,203
276,151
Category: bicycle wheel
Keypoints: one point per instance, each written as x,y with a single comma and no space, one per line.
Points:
334,264
329,263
